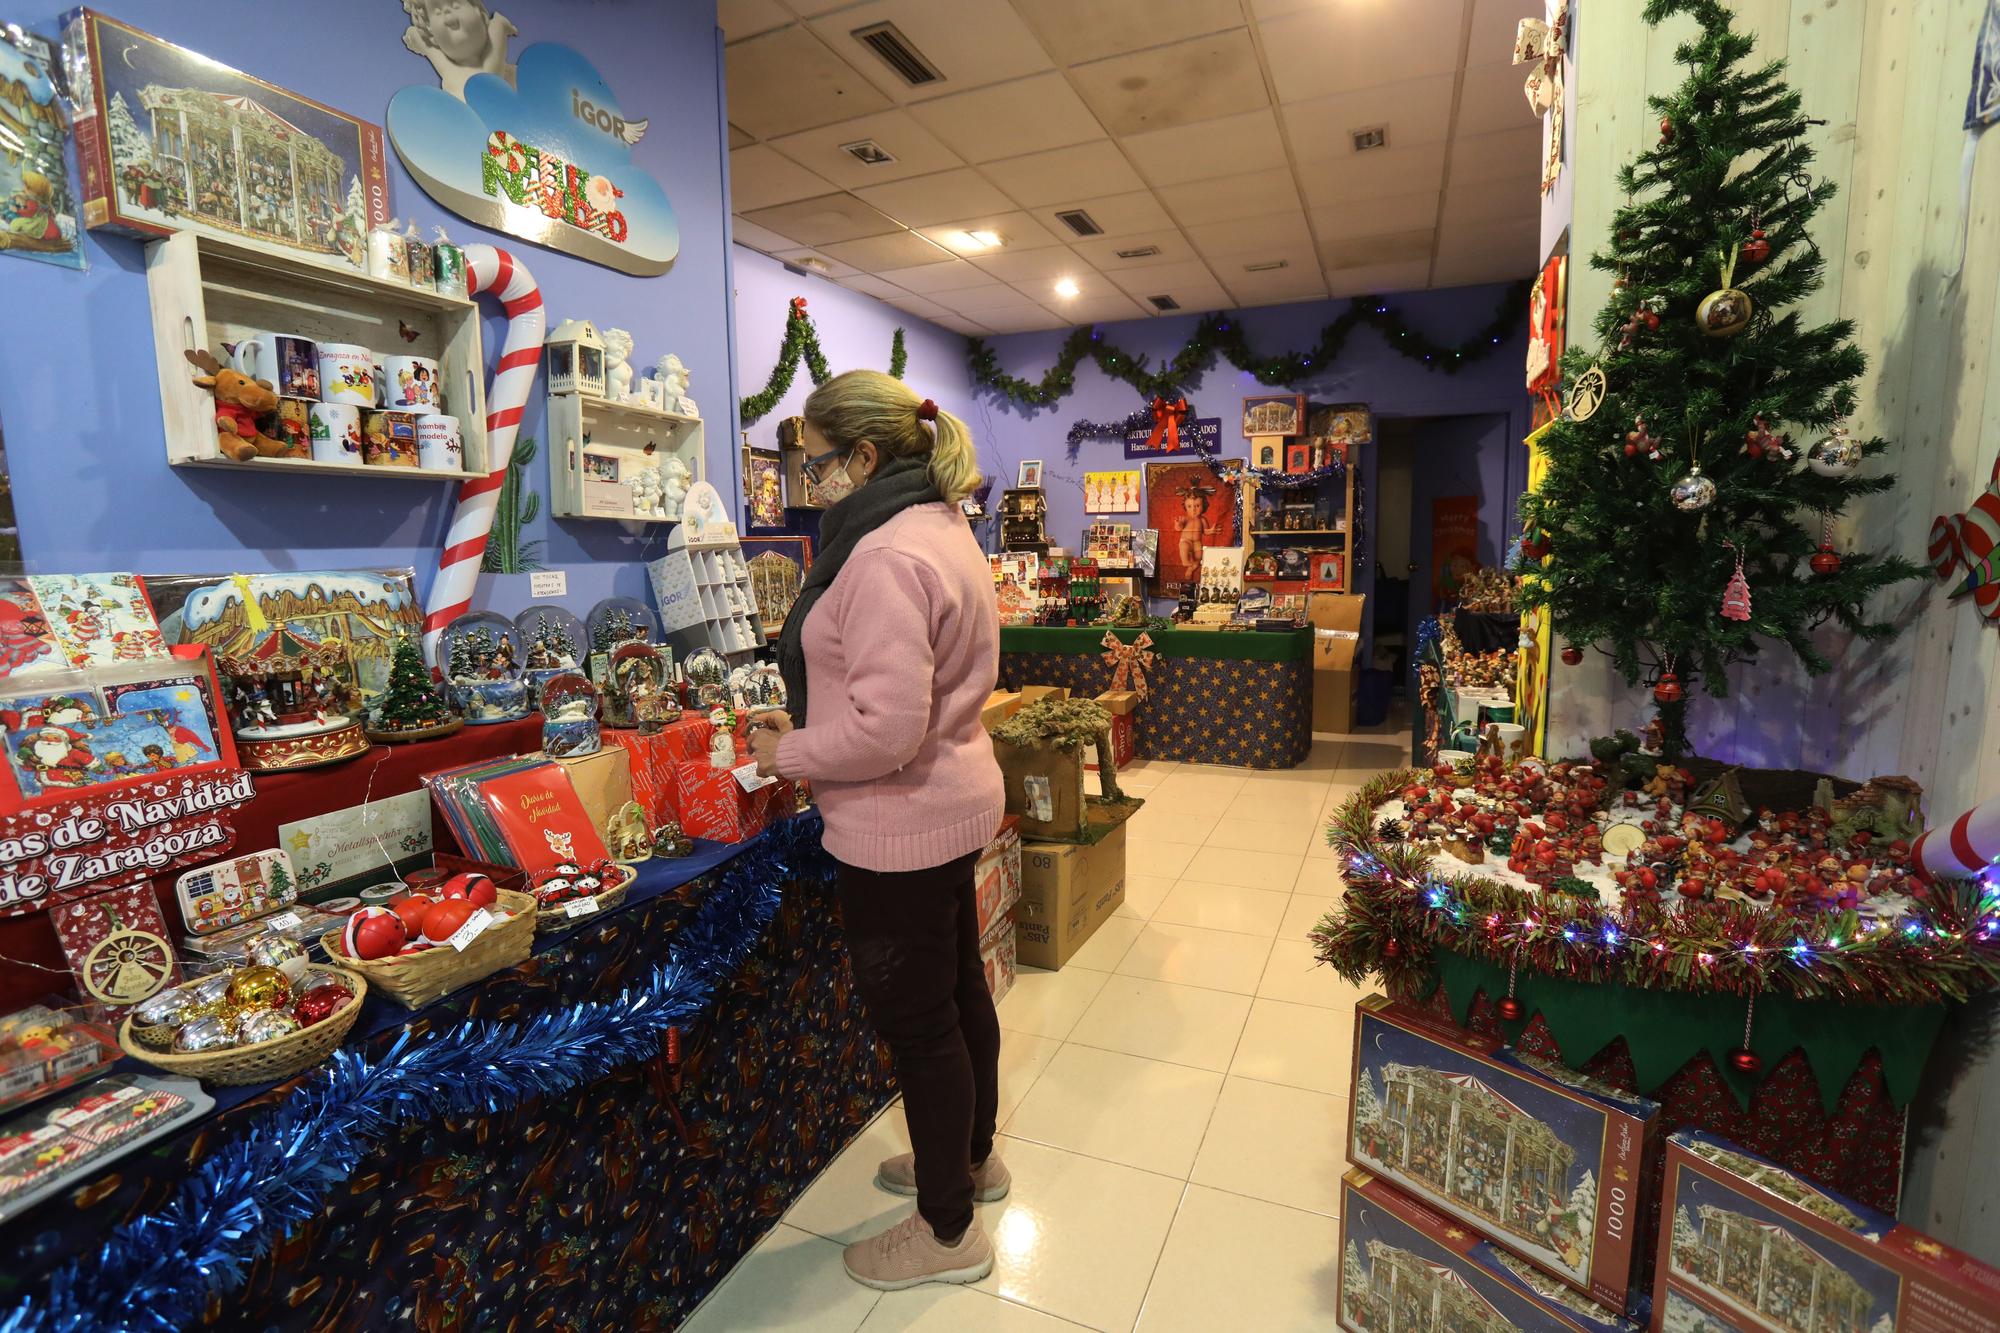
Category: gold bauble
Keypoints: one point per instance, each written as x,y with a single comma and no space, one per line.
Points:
1724,313
207,996
257,987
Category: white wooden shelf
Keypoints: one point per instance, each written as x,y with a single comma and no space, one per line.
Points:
208,290
636,436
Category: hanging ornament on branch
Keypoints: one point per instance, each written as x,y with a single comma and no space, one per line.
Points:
1639,440
1645,319
1736,597
1667,689
1694,492
1825,561
1725,313
1835,456
1757,249
1572,655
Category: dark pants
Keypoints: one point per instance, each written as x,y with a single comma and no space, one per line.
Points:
914,939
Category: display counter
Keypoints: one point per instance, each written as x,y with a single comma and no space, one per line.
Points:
1211,697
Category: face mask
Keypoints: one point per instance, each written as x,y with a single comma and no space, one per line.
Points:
837,487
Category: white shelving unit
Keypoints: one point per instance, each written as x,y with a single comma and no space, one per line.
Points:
704,597
633,436
208,290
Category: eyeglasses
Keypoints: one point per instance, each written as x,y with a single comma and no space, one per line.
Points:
817,468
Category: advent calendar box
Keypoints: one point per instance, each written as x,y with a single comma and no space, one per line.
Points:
1406,1266
1747,1245
996,875
1544,1162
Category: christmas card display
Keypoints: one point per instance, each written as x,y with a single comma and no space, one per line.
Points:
231,892
88,753
35,182
44,1149
170,140
522,813
1540,1161
116,943
26,643
50,1046
98,619
1747,1245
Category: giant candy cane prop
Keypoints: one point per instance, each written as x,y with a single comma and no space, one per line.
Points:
1966,846
499,273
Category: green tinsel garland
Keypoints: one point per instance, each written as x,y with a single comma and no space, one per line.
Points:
1221,334
802,343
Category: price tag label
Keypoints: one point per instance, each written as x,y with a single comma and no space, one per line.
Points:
746,777
548,583
580,907
283,921
475,925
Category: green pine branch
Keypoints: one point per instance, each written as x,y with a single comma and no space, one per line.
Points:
802,344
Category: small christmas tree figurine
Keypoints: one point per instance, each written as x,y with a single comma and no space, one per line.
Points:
1683,532
411,702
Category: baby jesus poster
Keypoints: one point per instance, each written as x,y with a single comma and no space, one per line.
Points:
1192,508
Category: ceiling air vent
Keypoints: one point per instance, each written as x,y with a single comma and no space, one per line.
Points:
898,53
1080,222
1266,265
1164,303
1375,136
1142,252
869,152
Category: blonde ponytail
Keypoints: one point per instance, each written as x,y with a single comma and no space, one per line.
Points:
868,405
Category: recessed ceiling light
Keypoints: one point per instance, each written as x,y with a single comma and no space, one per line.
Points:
1066,288
1266,265
981,240
815,263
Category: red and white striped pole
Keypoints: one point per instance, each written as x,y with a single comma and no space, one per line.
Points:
500,274
1966,846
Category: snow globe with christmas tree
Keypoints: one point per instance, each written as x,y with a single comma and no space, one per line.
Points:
412,708
707,677
569,717
636,692
612,623
482,658
554,640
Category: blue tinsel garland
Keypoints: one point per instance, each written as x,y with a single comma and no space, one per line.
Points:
157,1271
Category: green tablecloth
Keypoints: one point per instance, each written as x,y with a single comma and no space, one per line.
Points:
1229,646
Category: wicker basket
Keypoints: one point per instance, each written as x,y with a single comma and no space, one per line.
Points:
264,1061
414,980
554,918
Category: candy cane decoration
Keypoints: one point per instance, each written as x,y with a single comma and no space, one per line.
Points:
499,273
1947,546
1963,847
1981,537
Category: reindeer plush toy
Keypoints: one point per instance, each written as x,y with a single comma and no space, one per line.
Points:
240,402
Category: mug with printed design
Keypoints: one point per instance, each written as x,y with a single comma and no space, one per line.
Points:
407,384
295,427
285,361
346,374
440,447
389,439
336,433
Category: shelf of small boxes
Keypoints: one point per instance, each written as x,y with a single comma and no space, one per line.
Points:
210,293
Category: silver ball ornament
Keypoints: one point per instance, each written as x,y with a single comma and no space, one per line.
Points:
1835,456
1693,492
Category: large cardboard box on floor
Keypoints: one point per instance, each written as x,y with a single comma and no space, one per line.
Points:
1068,890
1336,619
1044,787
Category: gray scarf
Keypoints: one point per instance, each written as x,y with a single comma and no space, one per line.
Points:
897,485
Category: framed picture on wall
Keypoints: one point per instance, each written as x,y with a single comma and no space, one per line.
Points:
1192,509
1267,452
763,489
778,568
1030,475
1325,570
1299,457
1275,414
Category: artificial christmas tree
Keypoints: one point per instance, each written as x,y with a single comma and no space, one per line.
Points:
1670,507
411,708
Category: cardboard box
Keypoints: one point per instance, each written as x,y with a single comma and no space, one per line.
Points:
1035,693
1336,620
998,952
1045,788
603,782
650,766
1540,1160
1000,705
1123,706
1068,890
1747,1245
997,875
711,803
1404,1266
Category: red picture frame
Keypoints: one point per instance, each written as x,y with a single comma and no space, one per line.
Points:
1192,508
1327,571
1298,457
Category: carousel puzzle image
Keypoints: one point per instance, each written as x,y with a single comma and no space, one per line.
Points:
1396,1279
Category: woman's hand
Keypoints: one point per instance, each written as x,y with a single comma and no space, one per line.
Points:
773,719
764,747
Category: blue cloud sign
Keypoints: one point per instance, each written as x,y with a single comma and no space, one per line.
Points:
548,159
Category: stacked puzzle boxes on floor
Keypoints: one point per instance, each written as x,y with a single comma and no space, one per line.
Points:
1746,1245
997,887
1540,1160
1405,1267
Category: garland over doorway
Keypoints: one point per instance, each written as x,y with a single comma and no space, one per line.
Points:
802,343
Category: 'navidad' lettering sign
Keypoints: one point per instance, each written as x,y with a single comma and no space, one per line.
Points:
57,851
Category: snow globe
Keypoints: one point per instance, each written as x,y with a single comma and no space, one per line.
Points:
482,658
613,622
569,717
757,686
554,641
707,677
638,676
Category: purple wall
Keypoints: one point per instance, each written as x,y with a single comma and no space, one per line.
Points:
79,397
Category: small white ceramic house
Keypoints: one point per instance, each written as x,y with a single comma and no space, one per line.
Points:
576,358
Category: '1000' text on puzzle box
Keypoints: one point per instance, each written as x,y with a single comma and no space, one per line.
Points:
1535,1158
1748,1247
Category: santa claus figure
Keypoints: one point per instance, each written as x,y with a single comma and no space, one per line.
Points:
58,757
62,710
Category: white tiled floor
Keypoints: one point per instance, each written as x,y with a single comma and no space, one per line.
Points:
1171,1103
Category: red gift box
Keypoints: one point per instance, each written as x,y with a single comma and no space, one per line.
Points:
685,739
711,803
996,876
652,760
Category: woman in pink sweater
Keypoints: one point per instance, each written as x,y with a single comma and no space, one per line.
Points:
888,656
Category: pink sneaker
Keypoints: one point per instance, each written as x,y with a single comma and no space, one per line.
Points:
990,1181
909,1254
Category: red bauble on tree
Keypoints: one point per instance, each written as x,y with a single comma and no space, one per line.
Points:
1756,250
1572,655
1745,1061
1825,560
1535,546
1391,949
1666,129
1668,690
1512,1009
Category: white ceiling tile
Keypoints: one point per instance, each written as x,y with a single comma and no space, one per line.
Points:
1193,297
785,81
1396,212
1025,323
1144,282
1227,198
969,44
1379,172
1415,111
1089,287
1117,214
979,301
1077,33
1471,251
821,221
1270,9
1025,116
1224,147
807,9
1392,247
1331,48
1257,236
1064,174
953,275
1509,157
870,285
746,18
915,151
1031,265
760,176
1101,310
1411,275
834,268
1493,25
873,254
960,324
1489,204
918,306
1102,251
924,201
1463,270
1279,288
740,138
1017,230
1198,79
1298,259
745,232
1492,100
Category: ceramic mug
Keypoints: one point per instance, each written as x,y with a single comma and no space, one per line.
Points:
389,439
285,361
295,426
346,374
439,445
336,433
407,384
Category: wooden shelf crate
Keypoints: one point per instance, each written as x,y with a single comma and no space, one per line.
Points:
613,428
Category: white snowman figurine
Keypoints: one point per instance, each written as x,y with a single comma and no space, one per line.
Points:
618,366
674,481
648,491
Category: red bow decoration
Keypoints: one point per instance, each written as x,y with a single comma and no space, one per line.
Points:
1167,418
1129,661
798,307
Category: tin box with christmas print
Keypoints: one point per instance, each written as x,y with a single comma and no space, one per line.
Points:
1405,1267
1538,1159
1746,1245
